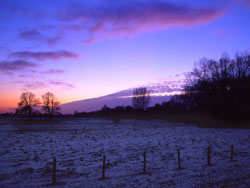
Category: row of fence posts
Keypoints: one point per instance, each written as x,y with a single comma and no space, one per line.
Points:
144,163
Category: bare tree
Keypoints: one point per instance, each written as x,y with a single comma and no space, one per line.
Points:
50,104
141,98
27,103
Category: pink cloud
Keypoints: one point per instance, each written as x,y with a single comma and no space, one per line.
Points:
56,55
130,17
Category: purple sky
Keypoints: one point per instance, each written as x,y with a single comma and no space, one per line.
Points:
90,48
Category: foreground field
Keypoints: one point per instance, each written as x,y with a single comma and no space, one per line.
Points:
27,151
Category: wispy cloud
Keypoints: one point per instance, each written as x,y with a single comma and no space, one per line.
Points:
89,41
31,35
64,84
9,67
37,36
53,71
103,19
36,73
164,88
246,3
129,17
2,48
36,84
56,55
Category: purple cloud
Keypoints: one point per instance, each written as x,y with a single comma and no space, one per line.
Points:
129,17
54,71
31,35
89,41
64,84
159,88
51,71
56,55
246,3
43,84
37,36
17,65
34,85
2,48
166,86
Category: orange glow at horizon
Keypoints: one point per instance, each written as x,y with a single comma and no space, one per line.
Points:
9,100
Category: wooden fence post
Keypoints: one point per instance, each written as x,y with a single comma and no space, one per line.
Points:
232,153
209,156
54,171
179,159
103,167
144,162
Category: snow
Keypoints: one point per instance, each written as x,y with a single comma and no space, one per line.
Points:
27,152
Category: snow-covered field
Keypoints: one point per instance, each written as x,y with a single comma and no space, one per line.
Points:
26,153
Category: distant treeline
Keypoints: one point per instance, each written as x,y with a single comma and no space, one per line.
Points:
220,88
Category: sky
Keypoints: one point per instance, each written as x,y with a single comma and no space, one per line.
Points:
84,49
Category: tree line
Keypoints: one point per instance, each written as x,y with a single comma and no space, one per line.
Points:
220,87
28,104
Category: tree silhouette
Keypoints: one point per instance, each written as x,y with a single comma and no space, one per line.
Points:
221,86
141,98
27,103
50,104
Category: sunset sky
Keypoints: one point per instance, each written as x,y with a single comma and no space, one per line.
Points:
85,49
